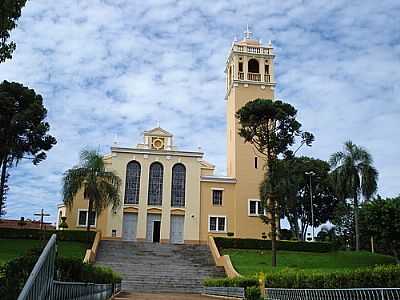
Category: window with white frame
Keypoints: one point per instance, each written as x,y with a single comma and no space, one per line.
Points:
217,196
217,223
82,217
255,208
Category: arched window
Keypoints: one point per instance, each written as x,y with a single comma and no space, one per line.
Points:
178,186
253,66
155,184
132,183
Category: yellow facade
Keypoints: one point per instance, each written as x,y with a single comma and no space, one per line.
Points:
213,205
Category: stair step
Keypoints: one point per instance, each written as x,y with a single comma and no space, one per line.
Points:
148,267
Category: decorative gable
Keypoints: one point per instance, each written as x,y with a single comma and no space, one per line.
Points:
158,131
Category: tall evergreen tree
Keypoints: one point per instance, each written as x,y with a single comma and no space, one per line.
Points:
23,131
10,11
354,176
271,127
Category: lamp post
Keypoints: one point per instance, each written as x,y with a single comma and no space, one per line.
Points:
311,174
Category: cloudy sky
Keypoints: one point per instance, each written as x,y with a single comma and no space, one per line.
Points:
110,69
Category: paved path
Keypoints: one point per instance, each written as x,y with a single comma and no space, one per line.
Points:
166,296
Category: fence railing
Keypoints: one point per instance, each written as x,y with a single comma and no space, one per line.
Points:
333,294
41,278
41,284
82,291
233,292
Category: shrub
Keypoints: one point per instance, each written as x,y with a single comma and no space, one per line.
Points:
387,276
72,269
384,276
286,234
35,234
253,293
233,243
250,285
234,282
15,273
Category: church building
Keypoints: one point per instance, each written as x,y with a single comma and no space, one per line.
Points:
173,196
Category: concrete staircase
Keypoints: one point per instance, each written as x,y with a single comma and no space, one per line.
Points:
151,267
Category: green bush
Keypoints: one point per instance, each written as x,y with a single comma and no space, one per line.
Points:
233,243
234,282
286,234
386,276
15,273
253,293
35,234
72,269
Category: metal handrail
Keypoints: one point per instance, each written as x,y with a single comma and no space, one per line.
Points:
40,280
333,294
80,290
41,284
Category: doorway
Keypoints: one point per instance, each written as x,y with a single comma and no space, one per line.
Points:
129,226
156,231
176,231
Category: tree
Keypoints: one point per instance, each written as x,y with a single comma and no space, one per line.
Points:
23,131
100,187
380,218
353,176
327,234
271,127
10,11
295,193
343,220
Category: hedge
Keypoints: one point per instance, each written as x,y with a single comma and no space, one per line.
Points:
35,234
234,243
250,285
14,274
387,276
243,282
72,269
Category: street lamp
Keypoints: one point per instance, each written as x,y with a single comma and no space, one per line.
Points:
311,174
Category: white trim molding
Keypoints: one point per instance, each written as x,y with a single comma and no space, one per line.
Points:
258,203
222,196
87,218
217,222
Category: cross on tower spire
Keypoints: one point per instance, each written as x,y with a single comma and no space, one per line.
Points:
247,33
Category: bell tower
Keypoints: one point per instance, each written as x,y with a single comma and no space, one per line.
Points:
249,75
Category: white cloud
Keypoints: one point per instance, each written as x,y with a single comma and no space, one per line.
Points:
118,67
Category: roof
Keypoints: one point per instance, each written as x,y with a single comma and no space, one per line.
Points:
16,224
158,131
206,165
157,152
222,179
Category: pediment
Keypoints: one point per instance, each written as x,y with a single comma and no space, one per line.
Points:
158,131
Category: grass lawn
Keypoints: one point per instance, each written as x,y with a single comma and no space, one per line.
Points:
12,248
250,262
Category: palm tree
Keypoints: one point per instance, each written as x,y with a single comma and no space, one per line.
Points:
353,176
100,187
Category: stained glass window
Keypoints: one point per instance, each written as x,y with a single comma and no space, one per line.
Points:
155,184
132,184
178,186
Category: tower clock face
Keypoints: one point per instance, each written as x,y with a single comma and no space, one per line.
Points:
157,143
